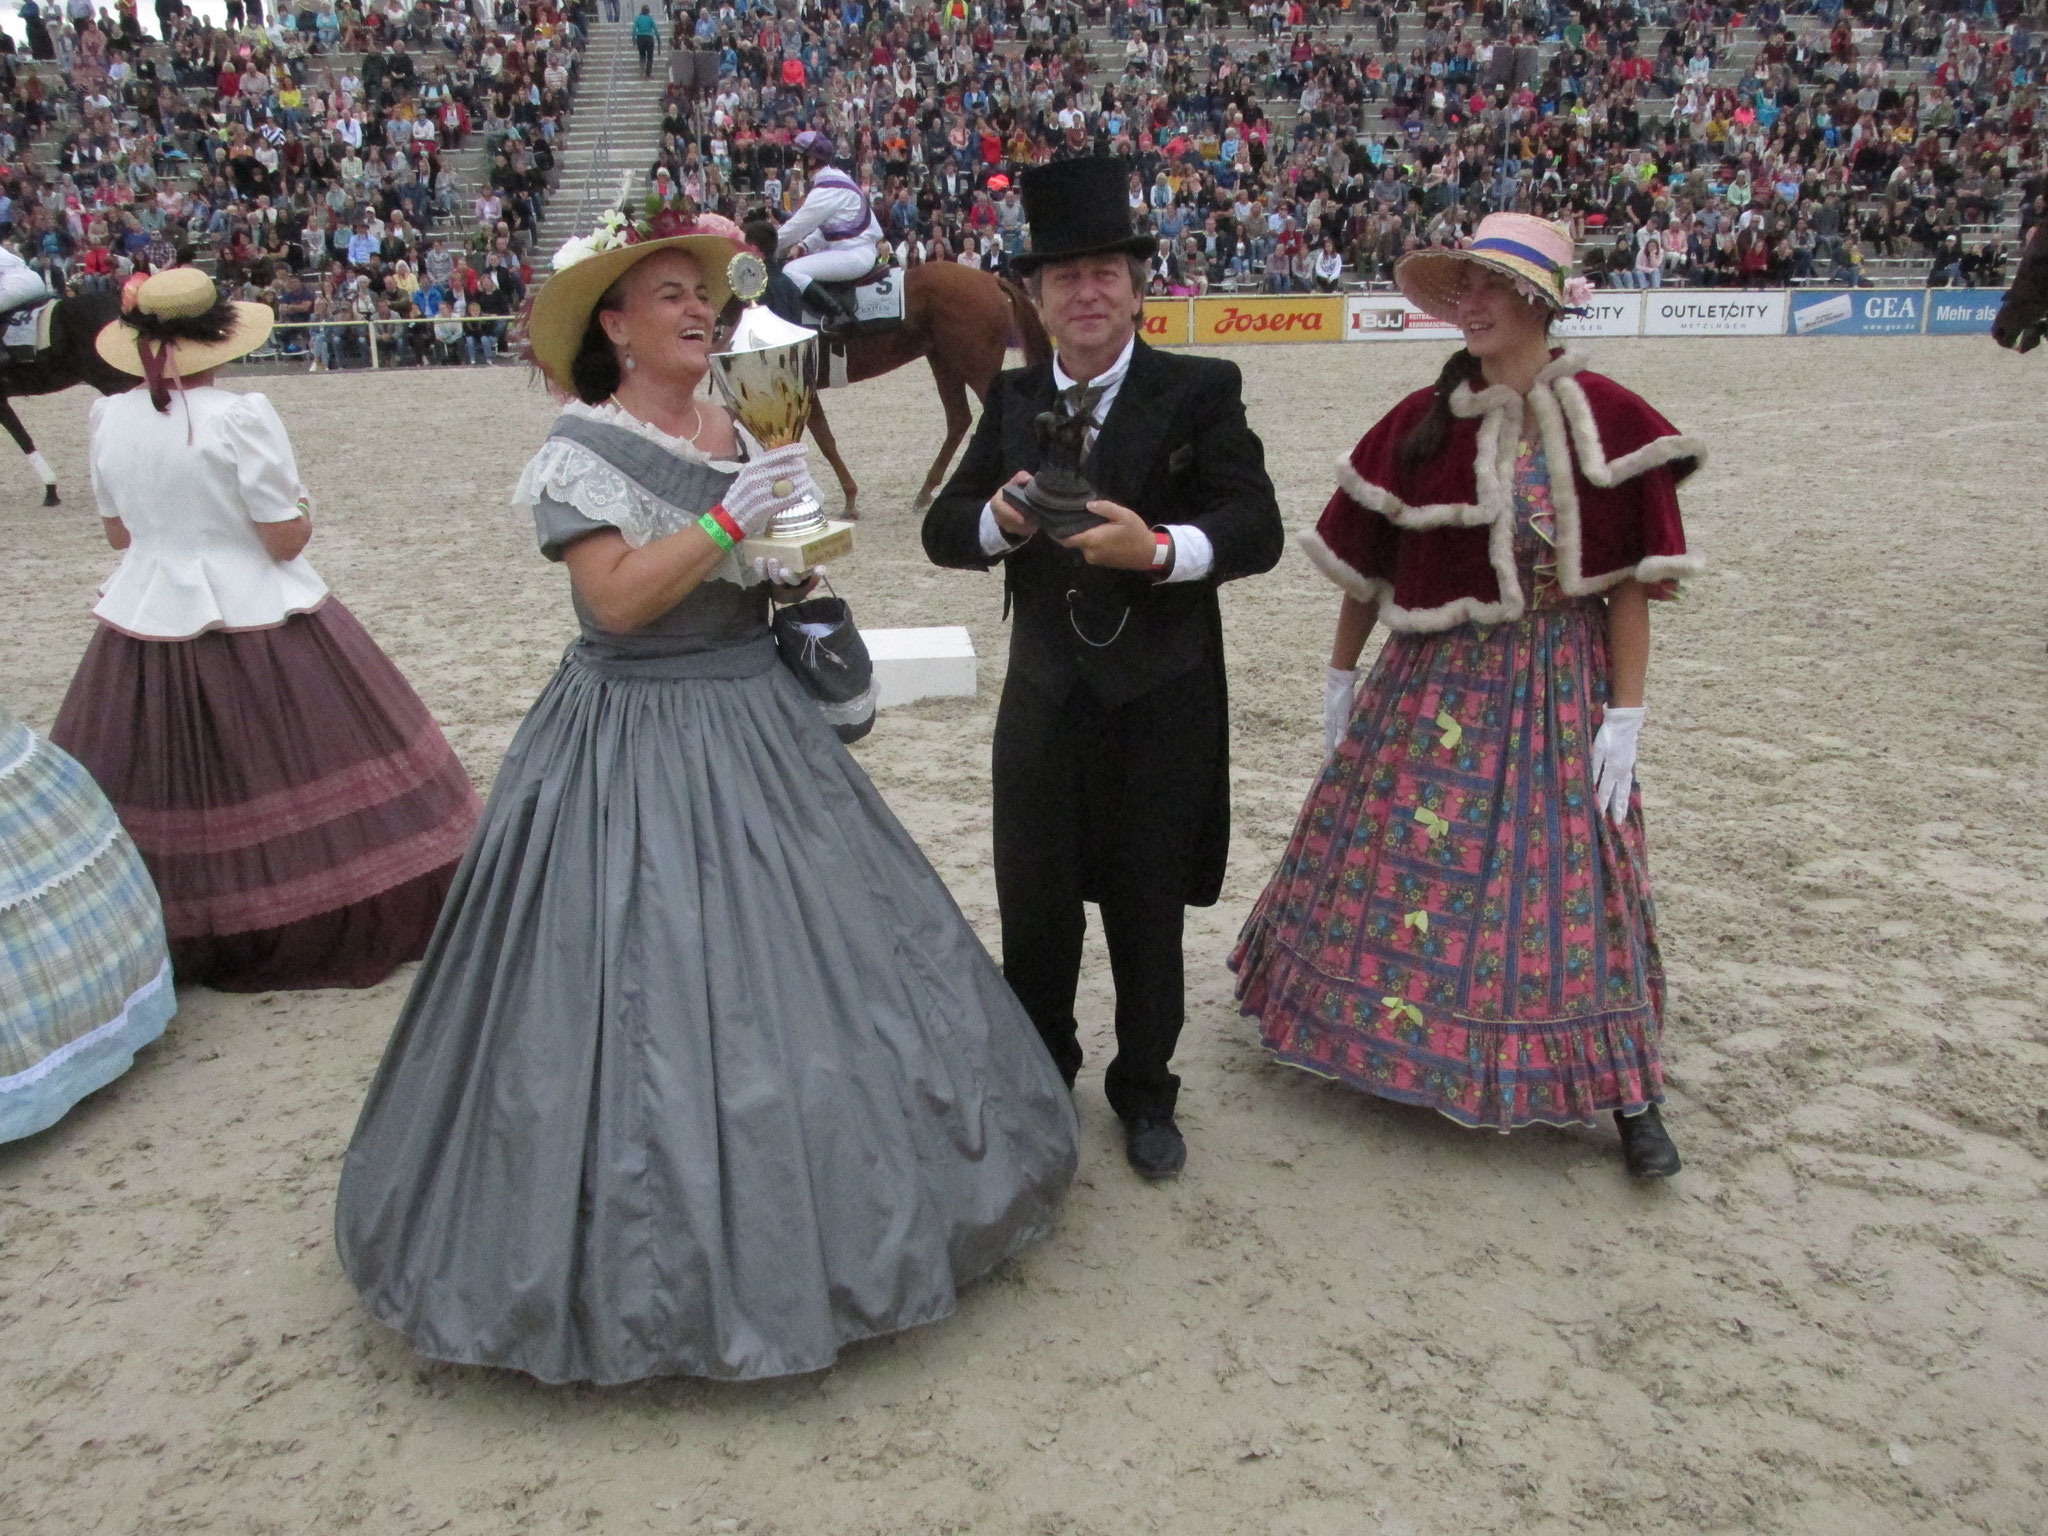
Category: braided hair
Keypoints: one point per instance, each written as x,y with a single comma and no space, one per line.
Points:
1426,438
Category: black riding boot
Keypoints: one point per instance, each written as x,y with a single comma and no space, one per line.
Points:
835,306
1646,1147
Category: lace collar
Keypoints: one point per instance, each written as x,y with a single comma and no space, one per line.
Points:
613,414
566,471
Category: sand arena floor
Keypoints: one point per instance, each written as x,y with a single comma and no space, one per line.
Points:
1348,1317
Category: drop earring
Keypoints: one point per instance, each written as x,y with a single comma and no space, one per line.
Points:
630,364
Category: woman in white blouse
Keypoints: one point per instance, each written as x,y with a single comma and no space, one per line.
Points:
297,806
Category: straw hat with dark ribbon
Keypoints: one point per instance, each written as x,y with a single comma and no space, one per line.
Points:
181,325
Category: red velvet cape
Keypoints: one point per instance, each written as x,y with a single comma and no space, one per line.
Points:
1434,545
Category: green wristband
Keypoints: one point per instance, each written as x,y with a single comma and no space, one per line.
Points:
718,534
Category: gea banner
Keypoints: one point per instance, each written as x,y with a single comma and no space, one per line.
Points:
1962,311
1255,318
1713,312
1609,313
1858,311
1389,317
1166,322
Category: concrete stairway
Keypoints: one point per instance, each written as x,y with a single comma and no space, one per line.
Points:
612,139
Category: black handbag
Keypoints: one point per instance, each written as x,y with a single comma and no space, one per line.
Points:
817,641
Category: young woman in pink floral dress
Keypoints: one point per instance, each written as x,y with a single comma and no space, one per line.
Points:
1463,917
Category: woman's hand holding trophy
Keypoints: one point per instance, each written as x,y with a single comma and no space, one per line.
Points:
769,377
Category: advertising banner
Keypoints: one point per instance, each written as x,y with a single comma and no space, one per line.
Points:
1962,311
1389,317
1713,312
1222,322
1858,311
1167,323
1610,313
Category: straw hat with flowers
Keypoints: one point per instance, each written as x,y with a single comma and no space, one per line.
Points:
586,268
180,325
1535,253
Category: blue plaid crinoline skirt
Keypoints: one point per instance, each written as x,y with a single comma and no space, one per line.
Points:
84,976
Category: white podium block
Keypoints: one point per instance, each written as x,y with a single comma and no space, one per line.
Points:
913,664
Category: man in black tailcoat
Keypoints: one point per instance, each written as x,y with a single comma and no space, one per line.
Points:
1112,741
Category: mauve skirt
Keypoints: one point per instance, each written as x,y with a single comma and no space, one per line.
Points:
297,806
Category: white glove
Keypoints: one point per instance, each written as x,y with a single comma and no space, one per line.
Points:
767,485
1339,688
773,571
1614,760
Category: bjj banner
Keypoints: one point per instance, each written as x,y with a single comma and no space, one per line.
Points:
1858,311
1611,312
1389,317
1168,322
1962,311
1713,312
1224,322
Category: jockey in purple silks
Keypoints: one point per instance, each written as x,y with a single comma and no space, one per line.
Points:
833,235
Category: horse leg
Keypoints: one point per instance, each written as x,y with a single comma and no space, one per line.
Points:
821,433
953,397
27,445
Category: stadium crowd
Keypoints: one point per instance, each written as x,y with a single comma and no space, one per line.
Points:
308,156
311,155
1890,128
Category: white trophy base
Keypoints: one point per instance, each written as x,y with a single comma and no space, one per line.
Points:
802,552
913,664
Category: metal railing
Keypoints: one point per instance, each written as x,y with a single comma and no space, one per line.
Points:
408,341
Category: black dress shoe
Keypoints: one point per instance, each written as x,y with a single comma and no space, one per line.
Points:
1646,1147
1155,1146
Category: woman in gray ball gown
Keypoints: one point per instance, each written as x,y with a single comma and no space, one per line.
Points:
704,1072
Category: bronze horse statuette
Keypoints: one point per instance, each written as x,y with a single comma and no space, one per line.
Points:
959,319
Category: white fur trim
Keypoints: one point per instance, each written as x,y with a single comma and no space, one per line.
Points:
1367,589
1670,568
1592,455
1564,490
1450,616
1377,498
1467,401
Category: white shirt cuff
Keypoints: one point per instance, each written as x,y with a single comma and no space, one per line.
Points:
1193,554
994,542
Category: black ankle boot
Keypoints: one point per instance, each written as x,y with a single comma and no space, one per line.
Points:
1646,1147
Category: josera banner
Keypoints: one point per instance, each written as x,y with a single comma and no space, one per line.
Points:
1167,322
1389,317
1608,313
1252,318
1713,312
1858,311
1962,311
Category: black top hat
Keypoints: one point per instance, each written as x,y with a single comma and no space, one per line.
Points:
1079,207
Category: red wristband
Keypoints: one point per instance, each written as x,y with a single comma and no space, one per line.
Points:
1162,554
724,519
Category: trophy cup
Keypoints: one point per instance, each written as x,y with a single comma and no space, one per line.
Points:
769,377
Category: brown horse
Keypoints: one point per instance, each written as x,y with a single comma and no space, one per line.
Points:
2024,314
961,320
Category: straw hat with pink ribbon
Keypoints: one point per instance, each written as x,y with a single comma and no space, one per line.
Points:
1535,253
